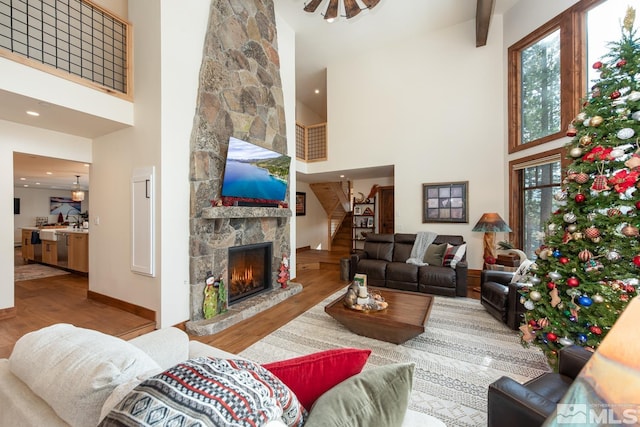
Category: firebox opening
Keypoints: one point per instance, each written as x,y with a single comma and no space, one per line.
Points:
249,270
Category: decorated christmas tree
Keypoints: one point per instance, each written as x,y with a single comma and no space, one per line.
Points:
588,266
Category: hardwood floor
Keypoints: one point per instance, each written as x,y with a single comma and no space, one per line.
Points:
58,299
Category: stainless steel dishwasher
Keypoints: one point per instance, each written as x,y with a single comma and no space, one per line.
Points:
63,249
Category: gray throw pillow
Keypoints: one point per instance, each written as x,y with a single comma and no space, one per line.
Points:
434,254
375,397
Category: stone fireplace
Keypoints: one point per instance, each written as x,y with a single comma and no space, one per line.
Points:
239,95
249,271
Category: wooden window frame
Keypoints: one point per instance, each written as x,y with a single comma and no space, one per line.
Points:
573,77
516,208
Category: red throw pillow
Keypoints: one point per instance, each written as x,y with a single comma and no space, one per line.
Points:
312,375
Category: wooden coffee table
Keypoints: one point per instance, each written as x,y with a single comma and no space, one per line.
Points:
403,319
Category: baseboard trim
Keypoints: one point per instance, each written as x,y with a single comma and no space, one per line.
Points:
123,305
8,313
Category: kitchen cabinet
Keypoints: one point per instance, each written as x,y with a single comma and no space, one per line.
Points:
50,252
27,247
78,252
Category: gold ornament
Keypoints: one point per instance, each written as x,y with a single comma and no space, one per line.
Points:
596,121
629,17
585,140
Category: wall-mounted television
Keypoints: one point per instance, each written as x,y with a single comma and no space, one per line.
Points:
255,174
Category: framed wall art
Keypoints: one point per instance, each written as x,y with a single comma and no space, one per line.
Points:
445,202
301,204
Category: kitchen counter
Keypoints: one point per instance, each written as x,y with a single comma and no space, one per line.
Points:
61,247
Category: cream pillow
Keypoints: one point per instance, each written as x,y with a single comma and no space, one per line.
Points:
74,370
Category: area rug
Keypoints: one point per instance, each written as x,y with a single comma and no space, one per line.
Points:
462,351
35,271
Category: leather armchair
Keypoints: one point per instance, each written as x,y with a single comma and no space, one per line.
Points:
528,405
501,298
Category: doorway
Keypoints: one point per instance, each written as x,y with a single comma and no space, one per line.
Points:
386,218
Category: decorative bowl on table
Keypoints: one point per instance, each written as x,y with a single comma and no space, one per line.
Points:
374,302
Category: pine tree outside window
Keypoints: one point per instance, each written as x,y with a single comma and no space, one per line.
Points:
540,183
540,88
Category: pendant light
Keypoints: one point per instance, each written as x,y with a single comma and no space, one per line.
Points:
77,195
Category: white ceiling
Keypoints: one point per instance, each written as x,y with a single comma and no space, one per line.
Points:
45,172
317,44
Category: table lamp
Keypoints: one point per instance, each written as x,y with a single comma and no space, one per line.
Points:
489,224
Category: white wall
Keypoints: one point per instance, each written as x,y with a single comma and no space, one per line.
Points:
312,228
178,110
286,52
307,117
35,202
432,107
26,139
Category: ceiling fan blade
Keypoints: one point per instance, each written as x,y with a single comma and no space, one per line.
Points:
351,8
370,3
312,5
332,10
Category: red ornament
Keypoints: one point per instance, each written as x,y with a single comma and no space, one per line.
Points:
638,204
573,282
490,260
551,285
592,232
596,330
533,323
621,63
615,94
636,260
563,260
597,65
624,297
551,336
579,198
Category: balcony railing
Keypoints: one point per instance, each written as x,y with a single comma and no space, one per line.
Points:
311,142
73,39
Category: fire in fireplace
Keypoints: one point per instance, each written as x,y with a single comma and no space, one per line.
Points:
249,270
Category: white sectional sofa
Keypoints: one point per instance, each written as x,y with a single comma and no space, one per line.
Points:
52,390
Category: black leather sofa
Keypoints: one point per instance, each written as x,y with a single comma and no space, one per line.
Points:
501,298
383,260
510,403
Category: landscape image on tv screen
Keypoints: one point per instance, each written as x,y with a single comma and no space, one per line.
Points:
254,172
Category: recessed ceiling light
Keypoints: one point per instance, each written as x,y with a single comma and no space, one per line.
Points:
86,165
49,173
317,91
23,179
26,185
37,183
33,113
341,176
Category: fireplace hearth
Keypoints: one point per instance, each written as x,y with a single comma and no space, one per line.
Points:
249,271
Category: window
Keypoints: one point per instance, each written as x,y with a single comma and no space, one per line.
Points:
535,180
549,75
546,78
540,88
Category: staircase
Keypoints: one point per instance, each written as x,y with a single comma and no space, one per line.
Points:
334,200
342,238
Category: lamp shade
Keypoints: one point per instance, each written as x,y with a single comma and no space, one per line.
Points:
491,223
